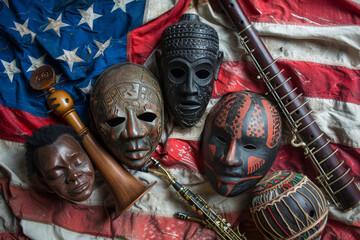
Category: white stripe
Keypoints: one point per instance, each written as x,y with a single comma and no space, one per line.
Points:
12,160
41,231
155,8
338,120
8,222
338,45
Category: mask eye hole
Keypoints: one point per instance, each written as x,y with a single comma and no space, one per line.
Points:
147,117
202,74
250,147
115,121
221,139
177,72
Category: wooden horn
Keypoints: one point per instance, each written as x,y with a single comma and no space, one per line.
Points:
125,188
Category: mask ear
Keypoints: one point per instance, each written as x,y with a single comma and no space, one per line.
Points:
219,61
158,55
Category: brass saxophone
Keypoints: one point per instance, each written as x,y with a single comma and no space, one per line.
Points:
211,220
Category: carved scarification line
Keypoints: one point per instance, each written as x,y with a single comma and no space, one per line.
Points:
254,164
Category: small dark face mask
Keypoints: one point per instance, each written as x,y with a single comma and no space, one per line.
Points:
190,61
66,168
241,139
188,87
128,113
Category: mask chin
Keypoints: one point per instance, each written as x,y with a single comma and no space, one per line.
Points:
189,121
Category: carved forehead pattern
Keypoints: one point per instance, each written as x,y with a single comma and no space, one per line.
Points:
125,82
126,93
231,112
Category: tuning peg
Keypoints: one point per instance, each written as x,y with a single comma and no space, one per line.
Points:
51,99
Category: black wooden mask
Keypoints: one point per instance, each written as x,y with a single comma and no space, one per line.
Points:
189,62
241,139
127,109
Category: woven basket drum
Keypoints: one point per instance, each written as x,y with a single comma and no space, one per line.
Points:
287,205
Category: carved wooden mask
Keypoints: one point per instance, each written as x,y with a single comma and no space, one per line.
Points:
189,62
127,110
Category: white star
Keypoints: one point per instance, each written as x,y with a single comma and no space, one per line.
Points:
23,29
70,57
10,69
120,4
102,47
6,3
55,25
88,16
86,90
36,62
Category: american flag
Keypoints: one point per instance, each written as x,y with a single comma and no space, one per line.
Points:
318,43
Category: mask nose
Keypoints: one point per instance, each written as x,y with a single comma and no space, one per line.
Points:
133,128
230,158
73,175
190,85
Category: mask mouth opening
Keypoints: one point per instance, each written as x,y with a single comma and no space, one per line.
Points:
189,105
79,189
136,155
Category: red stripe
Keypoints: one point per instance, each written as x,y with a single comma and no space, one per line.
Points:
15,124
13,236
96,220
312,79
338,230
178,153
305,12
288,158
141,41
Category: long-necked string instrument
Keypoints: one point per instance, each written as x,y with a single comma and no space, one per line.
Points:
333,175
210,219
125,188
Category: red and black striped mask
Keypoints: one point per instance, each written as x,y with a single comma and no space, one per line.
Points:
241,139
